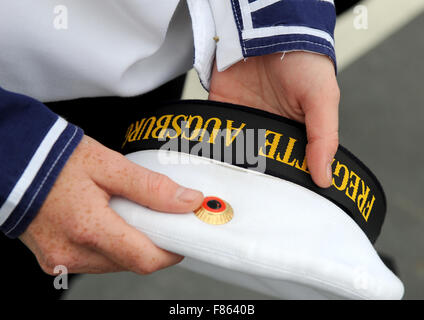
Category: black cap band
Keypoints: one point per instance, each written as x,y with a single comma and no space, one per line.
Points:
224,131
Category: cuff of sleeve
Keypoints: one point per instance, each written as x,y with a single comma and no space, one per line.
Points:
288,43
228,31
35,195
246,29
204,43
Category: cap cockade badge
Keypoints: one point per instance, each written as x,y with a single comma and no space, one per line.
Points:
214,211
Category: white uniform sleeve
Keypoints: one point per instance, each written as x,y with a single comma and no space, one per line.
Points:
247,28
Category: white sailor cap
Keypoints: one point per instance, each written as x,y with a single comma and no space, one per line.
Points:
263,224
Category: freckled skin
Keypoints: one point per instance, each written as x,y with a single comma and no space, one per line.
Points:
76,228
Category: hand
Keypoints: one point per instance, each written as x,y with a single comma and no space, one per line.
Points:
302,87
76,228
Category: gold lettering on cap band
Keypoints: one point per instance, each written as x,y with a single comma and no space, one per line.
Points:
277,143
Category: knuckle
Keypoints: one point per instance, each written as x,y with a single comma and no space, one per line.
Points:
51,261
85,239
146,268
46,269
156,182
337,93
55,263
334,139
115,160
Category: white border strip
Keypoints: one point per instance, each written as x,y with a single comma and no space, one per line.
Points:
329,1
32,169
259,4
43,182
285,30
245,14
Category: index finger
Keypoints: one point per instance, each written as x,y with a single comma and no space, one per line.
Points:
126,246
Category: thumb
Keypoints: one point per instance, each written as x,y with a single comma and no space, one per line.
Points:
322,127
122,177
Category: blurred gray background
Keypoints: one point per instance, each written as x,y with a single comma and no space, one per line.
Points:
381,121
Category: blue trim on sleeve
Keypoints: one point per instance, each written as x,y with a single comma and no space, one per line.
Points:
284,43
37,192
315,15
24,124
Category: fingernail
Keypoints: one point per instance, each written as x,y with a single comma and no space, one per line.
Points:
187,195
